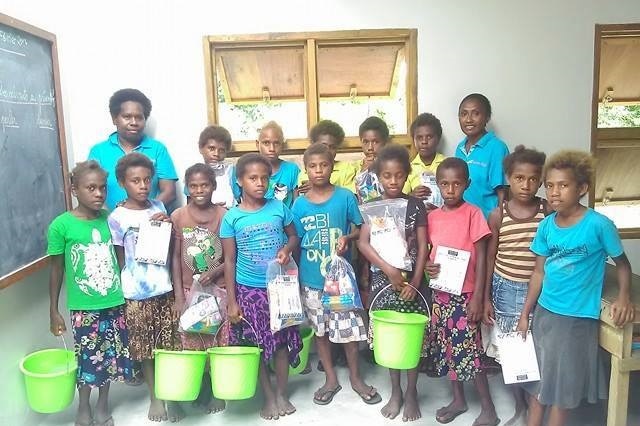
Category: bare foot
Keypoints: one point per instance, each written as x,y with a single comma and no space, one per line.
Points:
83,417
175,413
157,412
450,412
486,419
285,407
411,407
216,405
392,409
269,410
518,419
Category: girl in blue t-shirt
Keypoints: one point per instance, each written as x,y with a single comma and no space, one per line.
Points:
571,246
253,233
483,152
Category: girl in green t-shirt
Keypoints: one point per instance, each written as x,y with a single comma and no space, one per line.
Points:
79,243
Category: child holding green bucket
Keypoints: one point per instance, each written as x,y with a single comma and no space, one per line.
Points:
455,342
392,167
253,233
325,216
197,252
79,243
148,291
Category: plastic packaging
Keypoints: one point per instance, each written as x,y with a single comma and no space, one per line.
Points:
386,219
283,291
205,309
340,287
368,186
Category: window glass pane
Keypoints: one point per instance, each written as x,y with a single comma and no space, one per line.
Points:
359,81
618,115
256,85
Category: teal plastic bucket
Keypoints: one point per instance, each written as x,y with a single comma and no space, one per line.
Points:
397,338
234,371
178,374
49,379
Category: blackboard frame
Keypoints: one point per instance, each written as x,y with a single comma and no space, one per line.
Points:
35,264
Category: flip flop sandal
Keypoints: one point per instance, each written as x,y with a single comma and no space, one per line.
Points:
368,398
329,394
450,416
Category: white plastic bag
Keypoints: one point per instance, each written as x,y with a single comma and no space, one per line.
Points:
205,309
283,291
340,287
387,235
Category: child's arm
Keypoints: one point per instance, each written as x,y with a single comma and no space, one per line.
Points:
120,256
501,191
284,254
176,276
495,218
622,310
474,308
408,293
343,241
229,250
167,191
56,321
364,245
535,285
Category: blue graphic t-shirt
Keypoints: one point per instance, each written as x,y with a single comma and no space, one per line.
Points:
259,235
281,184
319,226
574,269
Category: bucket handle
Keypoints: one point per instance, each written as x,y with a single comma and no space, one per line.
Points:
215,337
66,349
388,286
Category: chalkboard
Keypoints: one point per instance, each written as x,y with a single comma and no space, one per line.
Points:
33,165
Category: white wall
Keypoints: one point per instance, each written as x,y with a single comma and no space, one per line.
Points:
534,60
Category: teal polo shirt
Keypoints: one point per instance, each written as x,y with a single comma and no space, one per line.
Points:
108,152
485,171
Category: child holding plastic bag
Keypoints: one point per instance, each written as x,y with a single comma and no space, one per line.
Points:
283,290
374,134
392,167
254,232
197,268
325,216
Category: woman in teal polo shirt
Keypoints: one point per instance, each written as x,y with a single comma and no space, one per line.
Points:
483,152
130,109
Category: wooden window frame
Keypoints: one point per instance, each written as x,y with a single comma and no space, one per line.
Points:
603,31
310,41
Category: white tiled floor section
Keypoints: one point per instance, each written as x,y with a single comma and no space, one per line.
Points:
130,405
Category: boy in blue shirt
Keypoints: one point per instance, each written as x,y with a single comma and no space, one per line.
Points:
325,216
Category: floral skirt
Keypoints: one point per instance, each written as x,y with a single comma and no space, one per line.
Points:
455,343
101,346
255,309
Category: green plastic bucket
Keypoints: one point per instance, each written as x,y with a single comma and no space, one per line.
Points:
307,335
50,379
397,338
178,374
234,371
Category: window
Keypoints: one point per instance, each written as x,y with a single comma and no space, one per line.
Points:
297,79
615,140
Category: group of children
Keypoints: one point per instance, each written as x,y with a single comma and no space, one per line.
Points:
531,261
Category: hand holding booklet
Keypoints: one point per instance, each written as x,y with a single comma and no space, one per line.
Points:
153,241
518,358
453,268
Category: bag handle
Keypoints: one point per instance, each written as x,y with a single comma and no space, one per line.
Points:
388,286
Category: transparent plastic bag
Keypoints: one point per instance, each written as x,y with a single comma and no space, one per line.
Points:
387,235
340,287
205,310
283,291
368,186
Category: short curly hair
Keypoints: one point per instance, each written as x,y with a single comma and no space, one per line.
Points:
218,134
426,119
392,152
129,95
453,163
581,163
203,169
327,127
524,155
251,158
317,149
84,168
376,124
275,127
133,159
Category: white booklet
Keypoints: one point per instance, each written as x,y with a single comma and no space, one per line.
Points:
453,269
153,242
518,358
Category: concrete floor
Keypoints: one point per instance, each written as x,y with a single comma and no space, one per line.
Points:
130,404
